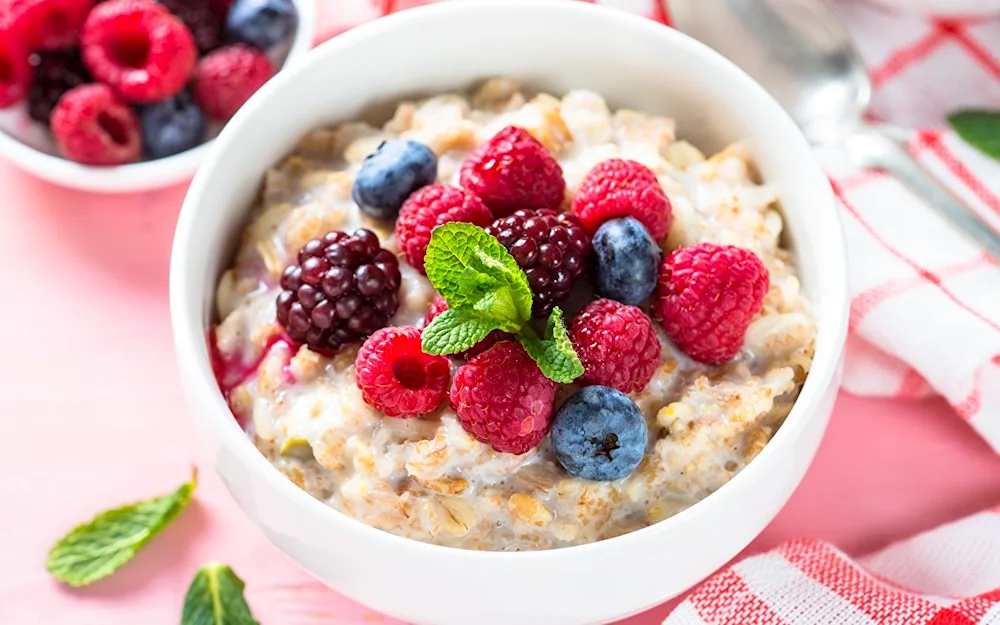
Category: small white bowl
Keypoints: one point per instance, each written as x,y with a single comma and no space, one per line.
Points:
26,144
555,46
943,8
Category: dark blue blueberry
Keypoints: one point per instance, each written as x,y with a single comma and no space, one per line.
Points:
387,177
171,126
599,434
261,23
628,261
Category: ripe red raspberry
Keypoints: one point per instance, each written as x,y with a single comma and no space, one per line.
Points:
513,170
503,399
552,249
93,125
396,377
343,288
616,344
226,78
427,209
47,24
439,305
621,188
706,298
15,70
139,48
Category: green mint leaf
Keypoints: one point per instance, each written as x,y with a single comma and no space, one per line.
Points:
554,354
980,129
97,548
455,331
467,266
215,597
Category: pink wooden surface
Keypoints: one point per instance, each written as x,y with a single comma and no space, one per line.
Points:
93,417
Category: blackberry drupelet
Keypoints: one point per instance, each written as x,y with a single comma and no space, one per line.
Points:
343,288
56,72
552,249
204,23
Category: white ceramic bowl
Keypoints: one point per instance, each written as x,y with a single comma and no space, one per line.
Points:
943,8
27,145
554,46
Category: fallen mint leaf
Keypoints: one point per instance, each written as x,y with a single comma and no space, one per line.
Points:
215,597
980,129
97,548
554,354
455,331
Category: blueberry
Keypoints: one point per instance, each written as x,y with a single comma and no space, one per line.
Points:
171,126
599,434
391,174
628,261
261,23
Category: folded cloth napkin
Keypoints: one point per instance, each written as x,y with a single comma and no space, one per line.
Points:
925,318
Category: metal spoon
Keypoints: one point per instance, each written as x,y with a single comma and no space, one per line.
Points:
804,56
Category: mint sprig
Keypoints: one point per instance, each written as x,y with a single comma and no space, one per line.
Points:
97,548
215,597
980,129
486,291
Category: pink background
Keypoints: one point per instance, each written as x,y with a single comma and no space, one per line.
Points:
93,417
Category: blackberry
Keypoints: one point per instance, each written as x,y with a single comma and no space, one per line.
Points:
552,249
204,23
343,288
56,72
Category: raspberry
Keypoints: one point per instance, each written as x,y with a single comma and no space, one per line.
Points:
439,305
395,375
200,19
93,125
621,188
343,288
430,207
552,249
503,399
47,24
55,73
15,71
513,170
706,298
226,78
138,48
616,344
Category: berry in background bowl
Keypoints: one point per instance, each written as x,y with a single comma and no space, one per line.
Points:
90,82
626,442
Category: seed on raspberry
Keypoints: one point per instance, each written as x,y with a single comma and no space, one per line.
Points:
429,208
396,376
46,24
204,23
342,289
93,125
139,48
15,71
502,399
706,298
226,78
513,170
439,305
616,344
552,249
622,188
55,73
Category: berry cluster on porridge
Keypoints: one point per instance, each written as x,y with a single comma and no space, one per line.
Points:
509,321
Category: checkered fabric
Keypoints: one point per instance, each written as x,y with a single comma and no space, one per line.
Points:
925,318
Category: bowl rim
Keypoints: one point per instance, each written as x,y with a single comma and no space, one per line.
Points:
190,335
148,174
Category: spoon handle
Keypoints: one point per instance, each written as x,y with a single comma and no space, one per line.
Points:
871,148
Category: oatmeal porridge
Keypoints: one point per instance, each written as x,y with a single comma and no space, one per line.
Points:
437,478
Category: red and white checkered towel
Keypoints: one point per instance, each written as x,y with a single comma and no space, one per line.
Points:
925,318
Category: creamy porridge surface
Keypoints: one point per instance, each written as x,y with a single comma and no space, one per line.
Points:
427,478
